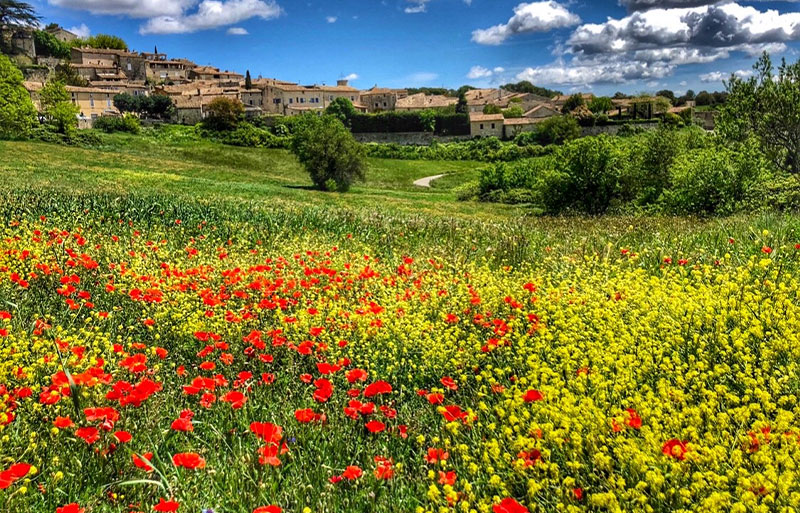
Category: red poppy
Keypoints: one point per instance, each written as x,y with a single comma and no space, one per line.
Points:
577,493
123,437
268,509
532,395
182,424
143,462
236,398
509,505
324,390
435,398
356,375
633,419
375,426
190,460
70,508
89,434
267,431
63,422
435,455
379,387
675,448
352,473
14,473
165,506
384,468
308,415
268,454
447,478
448,382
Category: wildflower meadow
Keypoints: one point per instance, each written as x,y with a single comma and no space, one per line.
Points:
155,357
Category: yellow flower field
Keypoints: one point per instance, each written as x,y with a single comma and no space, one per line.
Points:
180,365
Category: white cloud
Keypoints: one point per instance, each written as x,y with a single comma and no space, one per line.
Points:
477,72
420,78
237,31
417,6
132,8
351,76
719,76
81,30
611,71
212,14
331,19
528,17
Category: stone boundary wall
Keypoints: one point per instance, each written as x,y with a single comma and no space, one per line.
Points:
614,129
408,138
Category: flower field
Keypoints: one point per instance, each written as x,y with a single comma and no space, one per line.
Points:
162,361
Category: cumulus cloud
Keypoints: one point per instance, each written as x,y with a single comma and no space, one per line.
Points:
416,6
719,76
81,30
351,76
132,8
237,31
478,72
527,18
212,14
611,71
331,19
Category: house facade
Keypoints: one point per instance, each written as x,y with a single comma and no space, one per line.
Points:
379,99
486,125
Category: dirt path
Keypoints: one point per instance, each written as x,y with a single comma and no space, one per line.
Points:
426,182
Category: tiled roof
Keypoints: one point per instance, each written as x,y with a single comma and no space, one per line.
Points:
421,101
477,118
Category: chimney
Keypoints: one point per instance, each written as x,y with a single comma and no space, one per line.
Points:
341,83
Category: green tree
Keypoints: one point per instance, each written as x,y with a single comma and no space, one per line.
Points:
48,45
572,103
342,109
125,102
330,154
17,113
558,130
248,82
69,75
766,107
601,104
104,41
17,14
526,87
491,108
223,113
669,95
514,111
59,112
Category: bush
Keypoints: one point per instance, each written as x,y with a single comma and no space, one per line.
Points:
558,130
126,123
488,149
250,136
17,113
713,180
223,114
329,153
398,121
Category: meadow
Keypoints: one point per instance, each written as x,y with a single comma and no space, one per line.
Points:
186,326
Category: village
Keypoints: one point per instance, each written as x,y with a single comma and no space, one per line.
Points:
192,87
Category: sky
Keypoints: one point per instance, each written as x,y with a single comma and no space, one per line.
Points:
599,46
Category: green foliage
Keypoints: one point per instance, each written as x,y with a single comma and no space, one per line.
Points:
572,103
327,150
57,108
103,41
48,45
342,109
17,14
395,121
125,123
17,113
157,106
491,108
69,75
558,130
514,111
248,81
247,135
223,113
485,149
601,104
767,107
713,180
526,87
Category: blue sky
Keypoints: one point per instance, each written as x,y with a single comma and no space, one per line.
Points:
599,46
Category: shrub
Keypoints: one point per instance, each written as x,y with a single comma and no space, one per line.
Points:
329,153
558,130
223,114
341,108
397,121
125,123
250,136
58,110
17,113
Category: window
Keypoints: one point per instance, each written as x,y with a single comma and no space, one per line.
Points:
352,98
291,100
91,100
108,102
384,104
129,66
481,126
492,126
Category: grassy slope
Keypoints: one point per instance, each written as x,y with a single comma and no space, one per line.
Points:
137,164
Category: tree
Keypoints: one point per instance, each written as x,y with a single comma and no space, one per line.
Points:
223,114
47,45
248,82
572,103
59,112
17,113
342,109
661,105
601,104
526,87
704,98
69,75
104,41
159,106
514,111
128,103
330,154
558,130
491,108
619,95
17,14
669,95
766,107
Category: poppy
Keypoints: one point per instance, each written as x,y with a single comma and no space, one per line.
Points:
435,455
308,415
379,387
384,468
448,382
324,390
435,398
267,431
123,437
63,422
189,460
375,426
532,395
236,398
89,434
356,375
447,478
509,505
182,424
352,473
165,506
268,509
633,419
70,508
675,448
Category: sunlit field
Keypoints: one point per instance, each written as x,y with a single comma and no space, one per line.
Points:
164,353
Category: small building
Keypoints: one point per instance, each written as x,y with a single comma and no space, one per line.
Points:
514,126
543,111
93,102
486,125
212,73
379,99
417,102
60,33
188,110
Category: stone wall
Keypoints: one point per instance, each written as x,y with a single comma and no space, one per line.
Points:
614,129
408,138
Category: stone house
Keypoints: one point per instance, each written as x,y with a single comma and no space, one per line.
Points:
211,73
378,99
293,99
94,63
486,125
418,102
60,33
